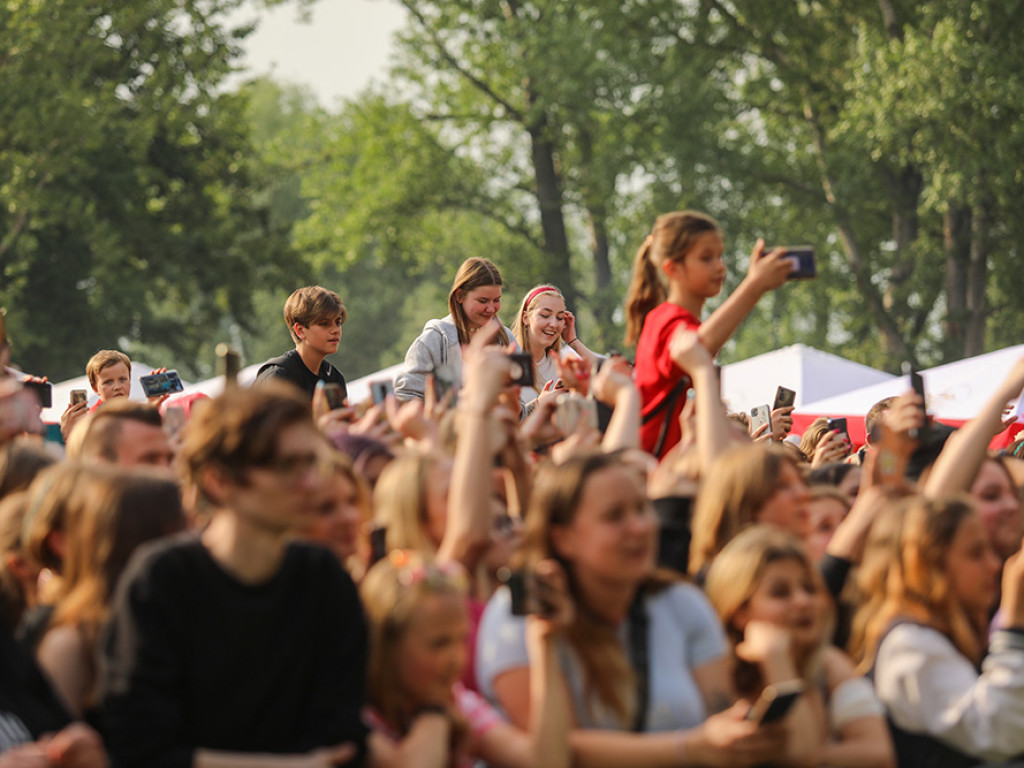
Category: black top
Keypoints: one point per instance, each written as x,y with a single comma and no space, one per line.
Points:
289,367
195,658
28,706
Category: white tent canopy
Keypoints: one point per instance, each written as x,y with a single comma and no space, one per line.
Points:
811,373
953,392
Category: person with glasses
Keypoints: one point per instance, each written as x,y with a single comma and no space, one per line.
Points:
241,645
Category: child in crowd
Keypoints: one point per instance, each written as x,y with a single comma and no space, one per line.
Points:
314,316
110,376
473,302
685,250
774,606
418,708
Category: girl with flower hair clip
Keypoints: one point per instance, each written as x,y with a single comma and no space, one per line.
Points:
421,715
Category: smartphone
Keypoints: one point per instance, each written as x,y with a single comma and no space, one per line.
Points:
524,590
378,544
43,391
335,395
917,384
802,257
522,369
570,409
157,384
840,425
784,398
79,396
775,702
230,363
760,414
379,390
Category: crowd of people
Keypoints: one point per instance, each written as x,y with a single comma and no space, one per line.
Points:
531,554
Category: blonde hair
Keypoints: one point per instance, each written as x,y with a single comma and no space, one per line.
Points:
519,325
400,501
475,272
735,575
673,236
390,592
812,436
104,359
917,584
741,481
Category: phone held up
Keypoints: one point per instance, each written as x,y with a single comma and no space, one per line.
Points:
784,398
838,425
525,591
379,390
334,395
760,414
805,265
79,396
157,384
43,391
775,702
917,384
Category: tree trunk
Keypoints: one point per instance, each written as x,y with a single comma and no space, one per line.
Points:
956,244
552,219
977,281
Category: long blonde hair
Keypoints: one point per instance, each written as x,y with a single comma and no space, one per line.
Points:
475,272
735,575
917,585
400,501
740,482
673,236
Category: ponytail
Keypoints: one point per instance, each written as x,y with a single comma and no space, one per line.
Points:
646,291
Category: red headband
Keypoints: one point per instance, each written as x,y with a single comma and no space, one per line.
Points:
537,292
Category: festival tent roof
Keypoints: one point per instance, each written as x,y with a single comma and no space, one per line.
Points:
954,392
813,374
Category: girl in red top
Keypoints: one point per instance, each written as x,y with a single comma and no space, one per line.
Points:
685,252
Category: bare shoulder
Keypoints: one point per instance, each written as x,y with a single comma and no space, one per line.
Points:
838,666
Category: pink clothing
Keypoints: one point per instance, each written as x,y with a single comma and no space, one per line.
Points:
480,715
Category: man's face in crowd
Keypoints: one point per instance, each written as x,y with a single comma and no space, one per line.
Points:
143,444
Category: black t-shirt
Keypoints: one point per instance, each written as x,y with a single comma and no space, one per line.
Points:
289,367
196,659
28,706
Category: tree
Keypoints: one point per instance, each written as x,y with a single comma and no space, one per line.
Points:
130,215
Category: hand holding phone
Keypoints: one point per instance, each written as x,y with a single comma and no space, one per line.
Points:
804,264
761,415
775,702
160,384
917,384
784,398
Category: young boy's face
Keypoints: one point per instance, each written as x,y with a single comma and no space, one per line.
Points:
113,381
322,337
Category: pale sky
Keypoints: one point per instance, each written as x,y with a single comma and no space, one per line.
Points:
343,47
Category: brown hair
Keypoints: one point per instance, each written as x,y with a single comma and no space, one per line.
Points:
20,461
103,359
733,578
104,526
740,482
875,414
475,272
13,598
238,431
104,428
673,236
554,502
311,305
917,584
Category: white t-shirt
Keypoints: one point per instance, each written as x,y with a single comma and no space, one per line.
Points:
683,633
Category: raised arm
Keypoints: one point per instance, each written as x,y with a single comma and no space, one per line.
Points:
712,421
486,372
614,386
766,272
958,463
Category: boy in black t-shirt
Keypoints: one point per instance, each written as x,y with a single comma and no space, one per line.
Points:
314,316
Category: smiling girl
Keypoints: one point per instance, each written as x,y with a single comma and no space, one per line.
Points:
473,302
419,712
542,326
776,611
